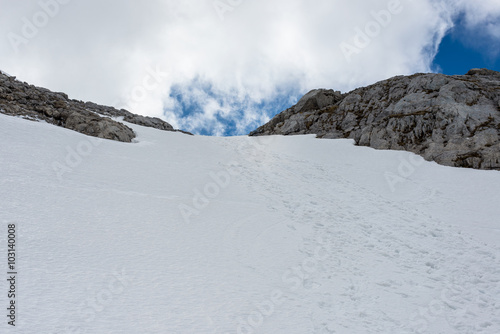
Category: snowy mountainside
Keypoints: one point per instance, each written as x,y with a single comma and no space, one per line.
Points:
452,120
189,234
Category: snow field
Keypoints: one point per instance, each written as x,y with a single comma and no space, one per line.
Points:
182,234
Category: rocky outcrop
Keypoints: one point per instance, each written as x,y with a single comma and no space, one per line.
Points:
40,104
453,120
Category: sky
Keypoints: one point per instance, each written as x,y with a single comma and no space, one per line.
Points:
225,67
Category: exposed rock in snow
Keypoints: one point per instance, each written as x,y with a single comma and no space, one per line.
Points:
35,103
453,120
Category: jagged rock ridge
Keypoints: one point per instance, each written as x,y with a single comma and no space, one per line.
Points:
35,103
453,120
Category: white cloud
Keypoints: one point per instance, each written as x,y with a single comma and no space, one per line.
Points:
231,69
477,12
482,22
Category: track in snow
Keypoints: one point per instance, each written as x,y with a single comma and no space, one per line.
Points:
307,236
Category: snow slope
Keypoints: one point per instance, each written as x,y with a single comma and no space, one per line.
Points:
296,235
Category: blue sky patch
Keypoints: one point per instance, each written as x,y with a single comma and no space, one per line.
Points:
464,48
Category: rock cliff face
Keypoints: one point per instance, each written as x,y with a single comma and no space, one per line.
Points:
40,104
453,120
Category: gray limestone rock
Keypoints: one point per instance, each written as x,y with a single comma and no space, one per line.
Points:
36,103
453,120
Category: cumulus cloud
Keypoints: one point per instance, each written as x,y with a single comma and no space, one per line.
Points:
479,24
224,66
